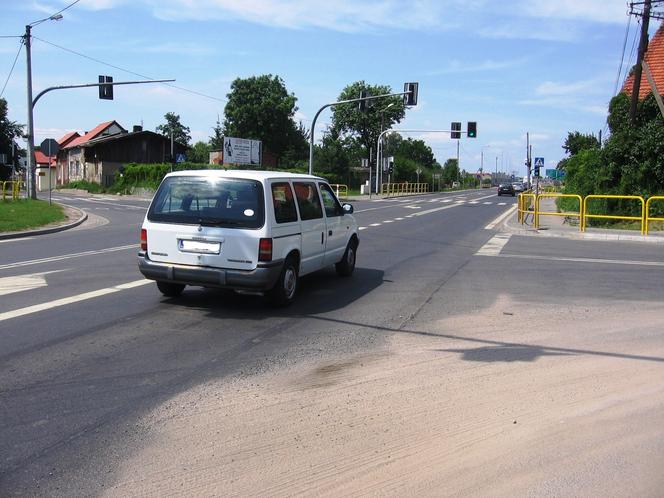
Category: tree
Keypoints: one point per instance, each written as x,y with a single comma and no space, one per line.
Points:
217,139
348,120
199,153
576,142
260,108
450,172
9,132
181,133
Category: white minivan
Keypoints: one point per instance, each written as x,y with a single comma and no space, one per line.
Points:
245,230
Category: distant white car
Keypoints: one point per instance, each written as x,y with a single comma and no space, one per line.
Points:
245,230
518,187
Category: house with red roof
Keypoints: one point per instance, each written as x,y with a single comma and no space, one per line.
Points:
654,57
98,155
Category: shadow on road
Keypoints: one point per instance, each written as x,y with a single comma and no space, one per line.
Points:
505,353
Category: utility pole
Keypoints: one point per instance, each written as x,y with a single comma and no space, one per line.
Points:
643,46
458,165
30,170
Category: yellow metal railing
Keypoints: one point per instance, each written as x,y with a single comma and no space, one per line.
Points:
525,201
340,190
648,218
14,188
641,218
404,188
539,213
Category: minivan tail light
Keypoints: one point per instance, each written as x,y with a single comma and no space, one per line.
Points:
265,250
144,240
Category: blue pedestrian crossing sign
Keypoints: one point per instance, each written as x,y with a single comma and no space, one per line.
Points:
539,162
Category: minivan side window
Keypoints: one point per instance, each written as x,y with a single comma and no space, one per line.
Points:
308,200
332,206
283,203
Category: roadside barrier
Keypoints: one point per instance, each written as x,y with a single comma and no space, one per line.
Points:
648,217
529,203
403,188
525,205
641,218
340,190
539,213
14,188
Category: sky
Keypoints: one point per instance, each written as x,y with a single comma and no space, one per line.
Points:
515,66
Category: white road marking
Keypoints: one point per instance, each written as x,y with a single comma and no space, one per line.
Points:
67,256
447,200
582,260
494,245
473,202
398,219
388,221
362,228
375,225
15,240
413,207
502,204
115,204
71,300
500,218
487,203
20,283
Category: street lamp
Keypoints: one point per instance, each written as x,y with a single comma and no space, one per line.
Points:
32,184
379,159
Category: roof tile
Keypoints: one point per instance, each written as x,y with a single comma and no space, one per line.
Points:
654,57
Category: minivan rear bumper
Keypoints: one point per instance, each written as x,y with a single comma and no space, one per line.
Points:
263,278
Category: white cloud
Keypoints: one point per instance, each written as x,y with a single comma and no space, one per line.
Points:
575,88
340,15
604,11
178,48
457,66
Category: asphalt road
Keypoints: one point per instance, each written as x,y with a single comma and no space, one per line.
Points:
88,348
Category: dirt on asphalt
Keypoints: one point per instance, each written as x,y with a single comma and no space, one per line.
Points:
512,400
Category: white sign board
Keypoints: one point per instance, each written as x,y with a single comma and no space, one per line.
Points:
242,151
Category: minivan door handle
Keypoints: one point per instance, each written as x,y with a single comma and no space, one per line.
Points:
330,233
322,237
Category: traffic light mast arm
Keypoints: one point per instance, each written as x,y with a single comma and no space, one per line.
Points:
86,85
332,104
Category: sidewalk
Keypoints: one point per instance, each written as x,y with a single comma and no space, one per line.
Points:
568,227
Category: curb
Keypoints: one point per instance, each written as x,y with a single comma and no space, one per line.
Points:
45,231
621,237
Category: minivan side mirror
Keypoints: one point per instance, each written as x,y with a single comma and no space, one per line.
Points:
348,208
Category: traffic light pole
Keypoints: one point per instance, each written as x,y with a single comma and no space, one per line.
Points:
32,184
332,104
402,131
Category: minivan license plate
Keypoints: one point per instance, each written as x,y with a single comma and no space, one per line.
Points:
199,247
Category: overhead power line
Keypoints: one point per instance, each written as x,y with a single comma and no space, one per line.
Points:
20,45
128,71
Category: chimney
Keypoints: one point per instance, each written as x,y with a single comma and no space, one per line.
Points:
137,128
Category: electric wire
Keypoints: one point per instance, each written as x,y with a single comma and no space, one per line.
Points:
622,57
20,46
37,23
128,71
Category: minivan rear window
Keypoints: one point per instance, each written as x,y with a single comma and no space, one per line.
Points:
224,202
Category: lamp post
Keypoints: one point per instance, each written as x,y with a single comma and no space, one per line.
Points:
379,158
31,170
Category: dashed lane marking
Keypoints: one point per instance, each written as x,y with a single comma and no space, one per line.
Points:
67,256
29,310
494,245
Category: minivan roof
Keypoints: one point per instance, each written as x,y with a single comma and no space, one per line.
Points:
248,174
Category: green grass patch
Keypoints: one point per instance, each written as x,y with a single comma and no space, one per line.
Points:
27,213
91,187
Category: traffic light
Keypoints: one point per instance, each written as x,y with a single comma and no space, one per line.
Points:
472,129
362,104
106,91
456,130
410,98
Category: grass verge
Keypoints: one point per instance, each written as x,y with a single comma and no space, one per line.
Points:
27,213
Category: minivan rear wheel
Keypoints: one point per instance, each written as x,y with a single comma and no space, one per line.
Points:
346,266
170,289
283,293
